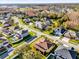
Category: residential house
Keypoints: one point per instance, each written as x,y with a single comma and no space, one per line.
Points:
16,28
48,21
5,43
7,25
17,37
2,49
77,34
70,34
59,31
31,13
7,32
63,53
44,46
27,20
24,33
38,24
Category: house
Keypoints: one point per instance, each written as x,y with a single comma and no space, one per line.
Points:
7,31
70,34
2,49
5,43
31,13
7,25
44,46
17,37
77,33
16,28
63,53
59,31
26,20
38,24
24,33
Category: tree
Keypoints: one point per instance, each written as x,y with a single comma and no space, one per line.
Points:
60,15
21,49
52,15
27,53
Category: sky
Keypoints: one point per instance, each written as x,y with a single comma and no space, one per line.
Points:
37,1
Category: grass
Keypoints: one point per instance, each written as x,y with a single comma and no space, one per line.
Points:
32,33
73,41
16,45
1,41
46,32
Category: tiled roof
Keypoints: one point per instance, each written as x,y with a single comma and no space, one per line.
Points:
65,53
43,45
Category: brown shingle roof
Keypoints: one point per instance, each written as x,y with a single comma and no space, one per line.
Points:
43,45
31,12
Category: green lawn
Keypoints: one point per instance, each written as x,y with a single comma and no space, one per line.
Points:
1,41
73,41
32,33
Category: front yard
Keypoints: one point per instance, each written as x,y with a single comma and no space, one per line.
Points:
73,41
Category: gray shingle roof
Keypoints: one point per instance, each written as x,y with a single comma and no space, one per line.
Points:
63,53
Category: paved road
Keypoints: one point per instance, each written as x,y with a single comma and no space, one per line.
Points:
49,36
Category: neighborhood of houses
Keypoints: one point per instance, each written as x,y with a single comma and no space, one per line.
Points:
39,32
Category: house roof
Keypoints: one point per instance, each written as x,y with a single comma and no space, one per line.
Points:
70,33
31,12
24,31
18,36
43,45
65,53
